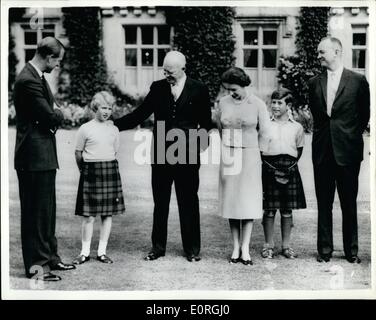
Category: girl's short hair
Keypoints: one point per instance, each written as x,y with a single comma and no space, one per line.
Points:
102,98
283,94
237,76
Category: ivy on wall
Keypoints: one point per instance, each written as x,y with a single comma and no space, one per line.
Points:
84,70
15,14
295,71
204,35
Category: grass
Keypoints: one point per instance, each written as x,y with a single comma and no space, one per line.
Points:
130,238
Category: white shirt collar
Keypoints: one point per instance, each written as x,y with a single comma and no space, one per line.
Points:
40,73
337,72
290,118
181,81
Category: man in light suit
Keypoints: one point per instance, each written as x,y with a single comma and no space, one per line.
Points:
35,160
339,100
179,104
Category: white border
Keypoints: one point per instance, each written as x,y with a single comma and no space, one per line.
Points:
12,294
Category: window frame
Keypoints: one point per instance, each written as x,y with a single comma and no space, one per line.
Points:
360,28
39,32
155,46
260,47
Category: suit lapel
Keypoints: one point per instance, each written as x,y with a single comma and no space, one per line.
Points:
323,83
342,84
46,88
185,93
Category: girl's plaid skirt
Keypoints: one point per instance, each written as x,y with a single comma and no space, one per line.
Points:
282,196
100,190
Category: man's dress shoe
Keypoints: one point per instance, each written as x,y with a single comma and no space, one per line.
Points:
48,277
192,257
353,259
323,257
153,256
61,266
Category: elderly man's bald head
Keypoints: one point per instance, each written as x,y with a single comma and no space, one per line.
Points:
174,58
174,66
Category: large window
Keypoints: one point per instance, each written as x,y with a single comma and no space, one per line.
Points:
145,47
33,36
260,45
359,48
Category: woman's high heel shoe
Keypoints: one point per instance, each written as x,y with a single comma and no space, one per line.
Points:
234,260
247,262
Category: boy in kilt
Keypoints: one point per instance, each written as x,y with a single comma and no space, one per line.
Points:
282,184
100,189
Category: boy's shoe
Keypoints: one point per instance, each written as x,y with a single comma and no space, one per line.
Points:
267,253
103,258
289,253
81,259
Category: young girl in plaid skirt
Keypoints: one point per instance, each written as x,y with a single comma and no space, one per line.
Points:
100,190
282,184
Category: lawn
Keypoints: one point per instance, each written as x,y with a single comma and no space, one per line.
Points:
130,238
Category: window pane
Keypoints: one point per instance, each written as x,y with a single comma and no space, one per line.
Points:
147,34
359,39
48,34
250,37
164,35
49,26
131,57
250,58
30,37
270,37
147,57
161,55
29,54
269,58
130,34
359,59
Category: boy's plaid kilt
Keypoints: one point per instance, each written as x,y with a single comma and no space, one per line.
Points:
100,190
282,196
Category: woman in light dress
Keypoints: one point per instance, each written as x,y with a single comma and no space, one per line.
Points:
243,122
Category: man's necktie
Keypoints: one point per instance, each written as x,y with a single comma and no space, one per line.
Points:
174,91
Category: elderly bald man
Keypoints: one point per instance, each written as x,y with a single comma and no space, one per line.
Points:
181,108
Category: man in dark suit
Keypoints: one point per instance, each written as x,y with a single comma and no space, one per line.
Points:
36,162
180,105
339,100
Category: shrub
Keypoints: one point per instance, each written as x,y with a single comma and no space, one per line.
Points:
295,71
84,72
205,36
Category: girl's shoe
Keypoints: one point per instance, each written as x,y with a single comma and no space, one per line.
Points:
289,253
267,253
81,259
103,258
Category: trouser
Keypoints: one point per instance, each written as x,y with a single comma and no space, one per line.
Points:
186,180
38,220
328,176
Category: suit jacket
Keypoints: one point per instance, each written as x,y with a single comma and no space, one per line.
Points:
191,111
36,123
349,118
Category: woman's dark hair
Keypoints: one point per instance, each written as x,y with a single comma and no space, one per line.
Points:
237,76
283,94
48,46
